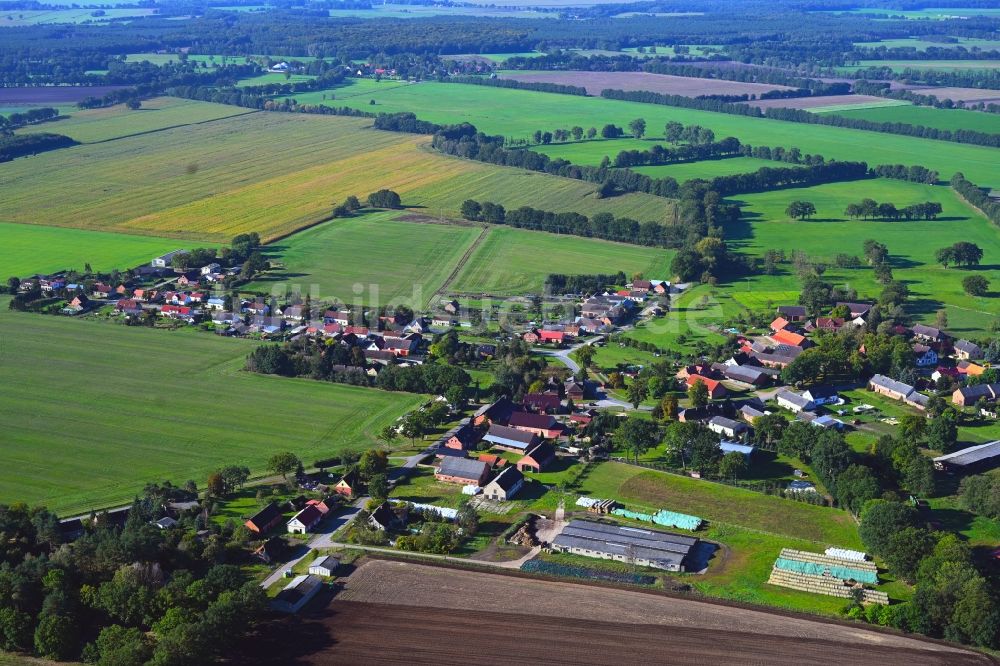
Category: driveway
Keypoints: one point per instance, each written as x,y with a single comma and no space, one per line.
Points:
321,538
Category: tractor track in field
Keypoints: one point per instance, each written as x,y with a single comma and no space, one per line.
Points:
461,263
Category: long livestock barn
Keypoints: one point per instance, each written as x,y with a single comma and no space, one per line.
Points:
972,458
651,548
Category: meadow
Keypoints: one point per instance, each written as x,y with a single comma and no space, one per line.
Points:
116,122
401,260
26,249
946,119
900,65
169,405
706,168
514,261
19,17
351,87
274,77
518,113
924,44
271,173
911,245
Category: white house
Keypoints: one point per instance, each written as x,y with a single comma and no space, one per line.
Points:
324,565
794,402
505,486
821,395
305,520
211,268
166,260
727,427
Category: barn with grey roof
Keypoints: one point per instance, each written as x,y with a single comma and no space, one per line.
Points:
651,548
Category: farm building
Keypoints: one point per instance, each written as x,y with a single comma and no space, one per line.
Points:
461,437
265,519
792,312
324,565
650,548
166,260
297,594
928,333
542,403
350,484
794,402
510,439
727,427
537,458
542,425
821,395
973,458
495,413
897,391
505,486
462,470
747,374
715,387
786,337
736,447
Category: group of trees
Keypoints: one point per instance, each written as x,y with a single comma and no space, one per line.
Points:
13,146
132,595
800,210
27,117
952,599
976,196
871,209
691,152
771,178
913,174
962,253
558,283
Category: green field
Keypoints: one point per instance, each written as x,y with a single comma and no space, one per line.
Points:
402,260
19,17
114,407
514,261
115,122
931,12
423,11
946,119
274,77
924,44
874,104
351,87
26,249
947,65
911,244
518,113
707,168
272,173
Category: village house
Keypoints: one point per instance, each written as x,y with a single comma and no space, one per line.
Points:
967,351
969,369
552,337
350,485
928,333
129,306
102,290
385,518
750,414
465,471
968,396
821,395
574,391
787,337
325,505
792,312
271,550
305,520
924,356
460,438
264,520
542,403
505,486
494,461
537,458
779,324
856,310
715,387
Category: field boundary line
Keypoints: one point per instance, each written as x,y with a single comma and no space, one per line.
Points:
248,112
461,262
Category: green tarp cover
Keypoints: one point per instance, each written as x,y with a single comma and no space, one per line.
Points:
663,517
814,569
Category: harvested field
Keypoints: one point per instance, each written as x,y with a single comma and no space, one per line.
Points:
348,632
51,94
595,82
959,94
810,103
455,593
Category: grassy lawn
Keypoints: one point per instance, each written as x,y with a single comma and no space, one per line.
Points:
507,262
113,407
900,65
924,44
911,245
720,503
688,321
928,116
26,249
115,122
274,77
421,487
518,113
392,261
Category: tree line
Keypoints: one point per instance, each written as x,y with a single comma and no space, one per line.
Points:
29,117
538,86
976,196
871,209
769,178
559,283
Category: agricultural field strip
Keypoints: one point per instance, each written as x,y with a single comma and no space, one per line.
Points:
169,405
520,112
209,182
405,584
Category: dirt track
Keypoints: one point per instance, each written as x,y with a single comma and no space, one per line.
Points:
383,616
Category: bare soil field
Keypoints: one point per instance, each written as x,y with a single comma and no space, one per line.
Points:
52,94
397,613
666,84
959,94
406,584
815,102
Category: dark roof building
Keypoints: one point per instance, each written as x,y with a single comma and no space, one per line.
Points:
265,519
462,470
971,458
652,548
510,438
